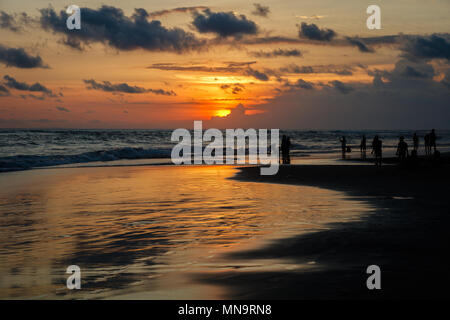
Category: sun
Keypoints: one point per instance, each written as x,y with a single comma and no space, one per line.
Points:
222,113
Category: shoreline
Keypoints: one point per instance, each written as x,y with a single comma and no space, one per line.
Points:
406,236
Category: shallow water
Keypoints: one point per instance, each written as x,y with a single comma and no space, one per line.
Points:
142,232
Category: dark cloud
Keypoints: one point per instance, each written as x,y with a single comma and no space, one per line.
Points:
109,25
17,57
14,22
256,74
224,24
300,84
360,45
235,88
12,83
277,53
231,67
62,109
398,103
161,13
8,22
124,88
405,70
312,32
431,47
260,10
341,87
339,70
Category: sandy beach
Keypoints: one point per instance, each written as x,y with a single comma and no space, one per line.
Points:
406,236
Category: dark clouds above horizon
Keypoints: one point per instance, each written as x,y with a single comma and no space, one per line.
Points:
313,32
436,46
277,53
111,26
12,83
403,98
224,24
19,58
123,88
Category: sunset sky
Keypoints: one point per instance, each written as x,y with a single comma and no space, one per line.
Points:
300,64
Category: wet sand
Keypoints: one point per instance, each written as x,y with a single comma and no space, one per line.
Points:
407,236
141,232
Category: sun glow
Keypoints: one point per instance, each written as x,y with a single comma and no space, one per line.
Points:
222,113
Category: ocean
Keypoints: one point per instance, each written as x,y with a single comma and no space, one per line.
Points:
27,149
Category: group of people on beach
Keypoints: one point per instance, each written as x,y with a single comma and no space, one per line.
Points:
377,147
402,147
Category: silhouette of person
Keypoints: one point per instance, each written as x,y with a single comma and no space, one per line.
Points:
283,149
402,149
416,142
285,146
362,147
343,146
427,144
377,150
288,150
433,140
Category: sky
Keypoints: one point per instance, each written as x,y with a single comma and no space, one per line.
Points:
303,64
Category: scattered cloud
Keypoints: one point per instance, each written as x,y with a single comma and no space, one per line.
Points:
17,57
161,13
230,67
427,47
223,24
341,86
362,47
300,84
256,74
277,53
124,88
14,22
62,109
235,88
343,70
404,70
260,10
312,32
12,83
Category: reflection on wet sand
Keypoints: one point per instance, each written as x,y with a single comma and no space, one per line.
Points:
139,232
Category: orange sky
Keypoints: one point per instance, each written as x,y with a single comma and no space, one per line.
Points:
207,82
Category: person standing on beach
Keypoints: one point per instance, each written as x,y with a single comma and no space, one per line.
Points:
402,149
288,150
285,149
427,144
416,142
343,146
433,140
377,147
363,147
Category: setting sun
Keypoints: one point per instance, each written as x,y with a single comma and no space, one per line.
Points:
222,113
